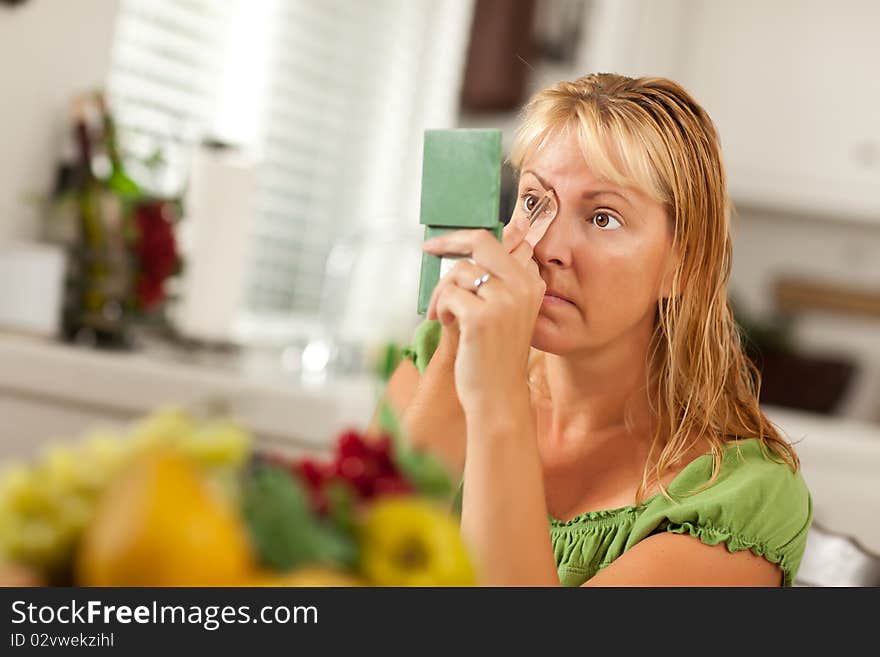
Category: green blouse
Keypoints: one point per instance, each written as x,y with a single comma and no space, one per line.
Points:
754,504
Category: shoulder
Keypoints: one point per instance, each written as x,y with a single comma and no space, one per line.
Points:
749,477
755,503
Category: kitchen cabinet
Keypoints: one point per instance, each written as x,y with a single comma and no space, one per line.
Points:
794,89
791,84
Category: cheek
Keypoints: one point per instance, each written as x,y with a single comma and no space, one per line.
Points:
621,281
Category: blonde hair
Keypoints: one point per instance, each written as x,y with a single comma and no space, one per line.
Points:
650,134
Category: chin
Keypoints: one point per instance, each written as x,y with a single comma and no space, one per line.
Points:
552,338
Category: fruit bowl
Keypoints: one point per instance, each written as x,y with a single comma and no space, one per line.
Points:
180,500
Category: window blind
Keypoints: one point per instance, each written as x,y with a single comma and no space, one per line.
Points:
346,106
337,125
165,79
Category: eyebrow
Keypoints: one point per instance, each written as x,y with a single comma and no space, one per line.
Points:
540,179
602,192
587,195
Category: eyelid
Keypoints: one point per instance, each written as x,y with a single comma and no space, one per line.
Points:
535,194
613,213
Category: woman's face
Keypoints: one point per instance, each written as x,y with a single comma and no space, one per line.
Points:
606,258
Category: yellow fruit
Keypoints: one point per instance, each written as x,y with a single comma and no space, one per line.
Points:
159,524
306,576
411,542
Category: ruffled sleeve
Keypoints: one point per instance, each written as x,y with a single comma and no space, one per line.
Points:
424,343
754,504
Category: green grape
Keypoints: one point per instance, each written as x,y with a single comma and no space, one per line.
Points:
218,444
24,493
61,468
45,506
162,429
13,478
107,451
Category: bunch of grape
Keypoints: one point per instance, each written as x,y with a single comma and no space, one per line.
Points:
45,505
367,466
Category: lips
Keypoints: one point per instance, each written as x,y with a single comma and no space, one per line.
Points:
549,292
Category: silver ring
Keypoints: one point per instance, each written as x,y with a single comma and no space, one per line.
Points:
481,280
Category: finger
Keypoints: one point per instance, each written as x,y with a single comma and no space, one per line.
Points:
463,274
514,232
482,246
535,271
535,275
456,305
523,253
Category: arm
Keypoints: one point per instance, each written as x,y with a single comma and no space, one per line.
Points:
682,560
428,405
505,522
504,516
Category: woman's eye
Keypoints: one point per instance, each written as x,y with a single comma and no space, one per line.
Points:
606,221
529,202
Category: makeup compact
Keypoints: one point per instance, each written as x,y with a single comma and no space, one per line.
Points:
461,189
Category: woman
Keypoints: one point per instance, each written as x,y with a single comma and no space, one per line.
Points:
586,372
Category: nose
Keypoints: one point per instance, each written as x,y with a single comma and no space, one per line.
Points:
554,247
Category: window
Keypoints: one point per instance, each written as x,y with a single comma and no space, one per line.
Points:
332,96
165,80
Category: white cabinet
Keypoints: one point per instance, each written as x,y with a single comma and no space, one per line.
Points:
795,90
793,86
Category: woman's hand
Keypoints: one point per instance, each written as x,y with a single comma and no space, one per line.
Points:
514,239
494,320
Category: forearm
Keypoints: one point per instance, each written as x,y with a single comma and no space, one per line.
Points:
434,419
504,515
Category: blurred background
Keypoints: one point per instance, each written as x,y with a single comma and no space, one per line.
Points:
215,203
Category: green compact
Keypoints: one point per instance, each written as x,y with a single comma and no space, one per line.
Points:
461,189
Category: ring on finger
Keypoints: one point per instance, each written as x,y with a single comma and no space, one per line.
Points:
481,281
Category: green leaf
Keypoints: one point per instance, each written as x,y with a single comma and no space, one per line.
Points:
285,529
422,469
426,473
342,500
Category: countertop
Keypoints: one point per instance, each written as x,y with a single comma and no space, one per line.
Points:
272,402
840,457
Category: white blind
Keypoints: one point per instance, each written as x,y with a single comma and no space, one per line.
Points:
166,77
347,87
345,112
